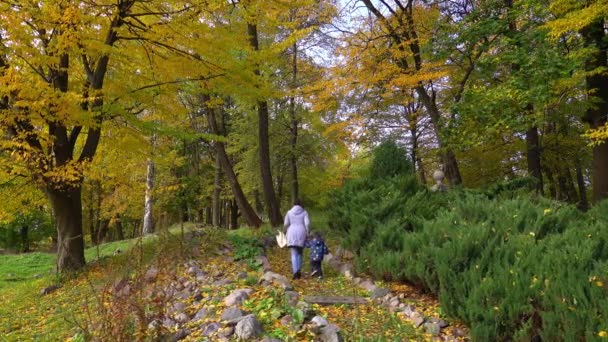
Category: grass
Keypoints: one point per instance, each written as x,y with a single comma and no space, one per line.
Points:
25,315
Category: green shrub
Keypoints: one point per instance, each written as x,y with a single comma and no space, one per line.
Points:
511,265
26,231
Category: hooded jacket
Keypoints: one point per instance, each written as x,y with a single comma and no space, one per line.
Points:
296,222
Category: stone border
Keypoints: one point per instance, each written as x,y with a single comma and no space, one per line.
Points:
394,303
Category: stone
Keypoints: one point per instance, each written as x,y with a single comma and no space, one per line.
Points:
151,274
347,270
442,324
379,292
180,335
155,324
195,271
432,328
237,297
292,297
200,314
182,317
368,285
394,303
226,332
408,310
417,318
49,289
248,328
222,282
286,320
241,275
458,332
270,339
263,261
121,287
201,279
168,323
231,313
279,279
319,321
307,310
330,333
211,328
177,307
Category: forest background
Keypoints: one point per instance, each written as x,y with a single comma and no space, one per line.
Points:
119,118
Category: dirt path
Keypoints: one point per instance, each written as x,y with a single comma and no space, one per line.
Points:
361,322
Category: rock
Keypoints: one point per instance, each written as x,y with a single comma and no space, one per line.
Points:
379,292
394,303
222,282
286,320
168,323
417,318
292,297
201,279
180,335
408,310
432,328
307,310
155,324
330,333
368,285
49,289
319,321
270,339
263,261
241,275
151,274
442,324
195,271
357,281
177,307
202,313
278,279
182,317
237,297
458,332
226,332
248,328
347,270
231,313
121,287
211,328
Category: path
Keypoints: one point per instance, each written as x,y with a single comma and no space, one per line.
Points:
363,322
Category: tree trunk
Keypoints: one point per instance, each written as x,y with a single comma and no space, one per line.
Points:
120,235
148,227
272,206
533,157
102,230
583,204
209,216
293,160
551,182
217,190
67,208
234,214
247,211
596,116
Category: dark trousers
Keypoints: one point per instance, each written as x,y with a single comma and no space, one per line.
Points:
316,266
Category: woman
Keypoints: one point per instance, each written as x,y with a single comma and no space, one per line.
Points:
296,222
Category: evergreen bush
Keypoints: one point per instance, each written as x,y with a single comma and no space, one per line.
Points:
513,266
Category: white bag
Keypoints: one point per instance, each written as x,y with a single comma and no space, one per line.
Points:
281,239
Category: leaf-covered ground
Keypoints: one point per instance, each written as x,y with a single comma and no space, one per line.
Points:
82,301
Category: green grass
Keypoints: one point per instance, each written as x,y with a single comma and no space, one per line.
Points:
25,315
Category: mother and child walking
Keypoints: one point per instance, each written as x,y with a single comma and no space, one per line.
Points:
298,237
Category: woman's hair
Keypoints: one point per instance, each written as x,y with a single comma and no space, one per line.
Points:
297,202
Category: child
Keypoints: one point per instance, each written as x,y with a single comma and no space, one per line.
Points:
318,249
